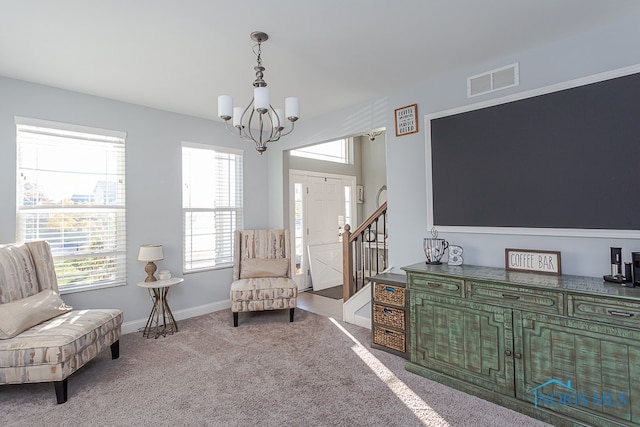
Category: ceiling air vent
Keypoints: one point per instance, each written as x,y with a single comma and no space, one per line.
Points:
500,78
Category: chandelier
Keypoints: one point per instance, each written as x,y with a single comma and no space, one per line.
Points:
259,121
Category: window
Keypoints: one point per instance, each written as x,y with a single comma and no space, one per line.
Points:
212,204
298,235
348,207
71,192
334,151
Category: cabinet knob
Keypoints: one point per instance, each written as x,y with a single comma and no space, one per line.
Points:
518,356
508,352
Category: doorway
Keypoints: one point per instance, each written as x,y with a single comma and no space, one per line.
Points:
320,205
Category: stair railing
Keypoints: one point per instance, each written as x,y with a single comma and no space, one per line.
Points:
364,252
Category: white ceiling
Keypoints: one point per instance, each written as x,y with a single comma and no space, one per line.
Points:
179,55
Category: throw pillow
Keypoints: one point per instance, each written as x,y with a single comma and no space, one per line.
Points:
20,315
261,267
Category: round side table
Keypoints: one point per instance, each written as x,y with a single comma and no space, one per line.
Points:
161,320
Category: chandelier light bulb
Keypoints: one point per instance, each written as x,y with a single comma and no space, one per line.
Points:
292,108
261,99
278,118
237,116
225,103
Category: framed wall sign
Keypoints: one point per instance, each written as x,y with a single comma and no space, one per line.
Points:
533,261
406,120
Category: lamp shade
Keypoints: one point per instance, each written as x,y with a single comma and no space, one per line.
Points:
150,253
237,116
292,108
225,104
261,99
278,119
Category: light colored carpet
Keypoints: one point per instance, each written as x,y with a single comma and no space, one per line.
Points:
267,372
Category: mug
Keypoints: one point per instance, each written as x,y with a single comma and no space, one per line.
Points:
434,249
164,275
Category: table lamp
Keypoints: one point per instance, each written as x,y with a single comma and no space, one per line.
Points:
150,253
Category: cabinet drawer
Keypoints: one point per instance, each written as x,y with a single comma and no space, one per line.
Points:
389,316
437,285
516,297
389,294
624,313
388,338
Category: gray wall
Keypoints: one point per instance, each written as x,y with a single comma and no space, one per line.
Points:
154,184
154,176
603,48
374,171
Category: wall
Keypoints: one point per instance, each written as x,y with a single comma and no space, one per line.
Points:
153,167
603,48
374,171
154,184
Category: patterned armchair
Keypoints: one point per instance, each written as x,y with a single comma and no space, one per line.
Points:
262,272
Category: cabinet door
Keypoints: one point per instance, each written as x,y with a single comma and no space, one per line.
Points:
464,340
580,368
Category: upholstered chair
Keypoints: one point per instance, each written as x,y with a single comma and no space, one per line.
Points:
262,272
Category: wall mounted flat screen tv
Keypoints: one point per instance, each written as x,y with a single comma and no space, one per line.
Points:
565,158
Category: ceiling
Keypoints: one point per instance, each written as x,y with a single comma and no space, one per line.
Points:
179,55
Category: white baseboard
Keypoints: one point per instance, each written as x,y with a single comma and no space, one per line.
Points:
363,321
354,304
136,325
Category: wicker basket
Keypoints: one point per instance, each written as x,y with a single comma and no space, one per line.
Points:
388,316
388,338
388,294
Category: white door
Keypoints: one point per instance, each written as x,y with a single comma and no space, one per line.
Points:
319,205
325,264
325,204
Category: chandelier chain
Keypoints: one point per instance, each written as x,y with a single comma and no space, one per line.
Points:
259,82
259,54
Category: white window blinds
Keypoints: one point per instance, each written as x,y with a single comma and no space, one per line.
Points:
71,192
212,204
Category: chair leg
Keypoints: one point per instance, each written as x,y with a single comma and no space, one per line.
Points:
61,390
235,319
61,386
291,314
115,350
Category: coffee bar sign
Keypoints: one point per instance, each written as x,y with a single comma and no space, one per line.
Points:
534,261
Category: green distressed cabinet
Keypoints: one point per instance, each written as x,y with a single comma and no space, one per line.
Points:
563,349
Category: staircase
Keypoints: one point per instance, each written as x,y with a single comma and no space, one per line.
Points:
364,254
357,310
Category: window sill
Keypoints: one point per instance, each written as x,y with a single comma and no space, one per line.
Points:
203,270
83,288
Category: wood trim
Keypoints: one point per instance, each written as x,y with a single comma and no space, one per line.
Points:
348,284
375,215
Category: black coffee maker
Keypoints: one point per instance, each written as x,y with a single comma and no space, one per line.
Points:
635,267
631,276
616,275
